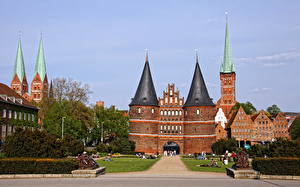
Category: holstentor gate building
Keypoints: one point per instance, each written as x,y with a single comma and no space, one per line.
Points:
188,126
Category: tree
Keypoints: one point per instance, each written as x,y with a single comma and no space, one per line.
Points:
295,129
223,145
68,101
248,107
111,122
68,89
273,110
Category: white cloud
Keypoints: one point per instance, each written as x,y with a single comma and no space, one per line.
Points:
274,64
260,90
280,56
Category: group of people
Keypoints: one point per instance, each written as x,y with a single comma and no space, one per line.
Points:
170,153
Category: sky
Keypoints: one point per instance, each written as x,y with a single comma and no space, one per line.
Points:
102,44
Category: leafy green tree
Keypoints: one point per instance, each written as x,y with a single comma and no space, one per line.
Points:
248,107
295,129
222,145
108,123
273,110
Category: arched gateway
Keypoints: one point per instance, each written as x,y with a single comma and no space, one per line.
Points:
172,146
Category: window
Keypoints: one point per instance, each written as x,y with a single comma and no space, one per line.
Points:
176,112
9,114
165,112
24,116
171,100
169,112
166,100
15,115
161,102
152,110
161,113
28,117
139,110
20,115
32,117
198,112
180,102
4,113
172,112
171,93
176,101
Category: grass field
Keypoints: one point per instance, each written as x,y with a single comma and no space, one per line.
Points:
191,165
127,164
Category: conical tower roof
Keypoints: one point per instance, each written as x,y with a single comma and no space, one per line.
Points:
198,94
40,65
145,94
19,68
227,66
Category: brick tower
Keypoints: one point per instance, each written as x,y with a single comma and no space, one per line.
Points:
199,113
19,81
39,85
227,78
144,114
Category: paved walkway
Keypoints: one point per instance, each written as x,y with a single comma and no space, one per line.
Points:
170,166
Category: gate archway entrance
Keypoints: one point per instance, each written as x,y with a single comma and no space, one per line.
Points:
172,146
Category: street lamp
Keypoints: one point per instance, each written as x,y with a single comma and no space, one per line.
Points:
102,131
62,127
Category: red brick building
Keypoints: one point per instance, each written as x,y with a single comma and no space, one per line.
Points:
169,123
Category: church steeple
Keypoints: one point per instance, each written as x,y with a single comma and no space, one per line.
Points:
227,66
198,94
145,94
19,81
39,85
40,66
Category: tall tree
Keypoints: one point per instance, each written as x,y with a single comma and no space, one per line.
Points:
273,110
248,107
295,129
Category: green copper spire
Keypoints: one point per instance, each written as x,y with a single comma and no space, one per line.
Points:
19,68
227,66
40,66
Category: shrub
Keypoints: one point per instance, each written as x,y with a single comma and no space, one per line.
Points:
257,150
220,146
277,166
118,145
39,144
37,166
280,148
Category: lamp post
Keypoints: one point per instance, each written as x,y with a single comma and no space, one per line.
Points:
102,131
62,127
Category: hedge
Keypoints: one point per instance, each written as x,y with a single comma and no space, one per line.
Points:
277,166
37,166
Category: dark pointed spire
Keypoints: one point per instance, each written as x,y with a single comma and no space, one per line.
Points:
145,94
51,90
198,94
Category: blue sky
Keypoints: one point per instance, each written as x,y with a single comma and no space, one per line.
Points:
101,43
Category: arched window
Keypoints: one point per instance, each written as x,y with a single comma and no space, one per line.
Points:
180,112
165,112
152,110
197,111
139,110
176,112
161,113
166,100
172,112
171,100
169,112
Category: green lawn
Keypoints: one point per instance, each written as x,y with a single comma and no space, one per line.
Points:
191,165
127,164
